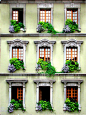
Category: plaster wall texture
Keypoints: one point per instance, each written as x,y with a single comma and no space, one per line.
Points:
58,54
31,17
30,96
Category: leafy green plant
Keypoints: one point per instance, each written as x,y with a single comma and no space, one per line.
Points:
48,26
15,105
45,105
17,63
17,25
50,70
73,65
71,104
70,26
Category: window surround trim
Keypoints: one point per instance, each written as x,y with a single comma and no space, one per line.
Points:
44,43
44,82
19,6
17,43
17,82
71,6
72,43
72,82
45,6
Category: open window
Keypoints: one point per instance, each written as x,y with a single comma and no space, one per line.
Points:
44,90
17,89
44,93
17,14
17,92
72,89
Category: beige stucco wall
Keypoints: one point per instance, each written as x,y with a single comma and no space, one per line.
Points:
31,17
30,96
58,54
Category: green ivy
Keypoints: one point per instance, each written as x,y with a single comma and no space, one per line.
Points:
50,70
45,105
17,63
73,65
48,26
72,104
72,25
17,25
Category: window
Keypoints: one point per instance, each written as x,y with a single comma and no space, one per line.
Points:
72,11
44,53
44,90
17,93
72,50
17,52
72,90
17,89
17,49
17,14
71,53
44,49
45,13
72,14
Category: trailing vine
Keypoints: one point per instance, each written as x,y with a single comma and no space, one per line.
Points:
71,105
43,105
70,27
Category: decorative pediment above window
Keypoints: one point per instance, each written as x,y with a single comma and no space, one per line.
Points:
18,43
37,81
72,42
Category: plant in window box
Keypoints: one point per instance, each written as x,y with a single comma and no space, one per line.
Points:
50,70
70,66
14,105
15,64
43,26
16,26
70,26
43,105
71,105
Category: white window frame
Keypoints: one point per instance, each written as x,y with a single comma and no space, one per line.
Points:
73,83
23,6
45,6
72,43
18,43
17,82
44,43
44,82
71,6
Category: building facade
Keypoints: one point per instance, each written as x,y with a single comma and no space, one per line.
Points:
29,46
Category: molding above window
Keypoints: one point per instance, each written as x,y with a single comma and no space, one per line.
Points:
72,43
44,43
45,6
72,6
17,82
19,5
18,43
69,83
44,82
